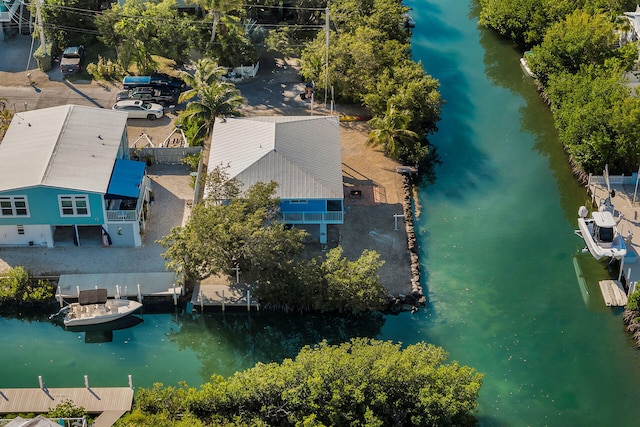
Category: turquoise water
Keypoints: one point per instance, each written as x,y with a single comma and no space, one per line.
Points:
498,257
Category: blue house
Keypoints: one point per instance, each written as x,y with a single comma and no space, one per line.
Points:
301,153
65,179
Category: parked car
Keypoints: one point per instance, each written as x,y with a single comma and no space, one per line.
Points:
156,80
164,96
72,59
139,109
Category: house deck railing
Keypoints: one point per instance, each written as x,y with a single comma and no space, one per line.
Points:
313,218
117,215
6,15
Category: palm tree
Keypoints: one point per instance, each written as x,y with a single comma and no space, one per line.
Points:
209,97
207,72
218,10
390,132
221,99
5,117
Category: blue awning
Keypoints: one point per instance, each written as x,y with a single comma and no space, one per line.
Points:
126,179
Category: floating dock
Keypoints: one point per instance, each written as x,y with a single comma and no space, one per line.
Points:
613,293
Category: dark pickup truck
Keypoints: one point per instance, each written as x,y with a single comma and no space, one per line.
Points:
71,60
161,96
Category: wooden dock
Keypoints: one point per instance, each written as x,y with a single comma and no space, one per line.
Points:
110,402
626,201
221,291
125,285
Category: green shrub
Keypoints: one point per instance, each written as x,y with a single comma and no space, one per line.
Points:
67,409
633,303
105,69
17,286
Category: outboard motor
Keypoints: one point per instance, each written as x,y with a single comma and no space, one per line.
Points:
583,212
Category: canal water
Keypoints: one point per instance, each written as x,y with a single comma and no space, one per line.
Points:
500,262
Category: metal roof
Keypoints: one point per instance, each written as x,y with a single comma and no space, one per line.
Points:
69,146
126,178
301,153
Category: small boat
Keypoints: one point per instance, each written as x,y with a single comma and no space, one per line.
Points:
525,65
408,21
93,307
600,232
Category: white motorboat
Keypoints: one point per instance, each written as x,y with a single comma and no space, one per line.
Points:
93,307
600,232
525,65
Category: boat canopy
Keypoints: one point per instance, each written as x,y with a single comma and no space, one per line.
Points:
604,219
92,296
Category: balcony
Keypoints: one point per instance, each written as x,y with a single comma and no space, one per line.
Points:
313,217
121,210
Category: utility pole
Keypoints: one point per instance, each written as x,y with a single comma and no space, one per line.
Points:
40,27
326,59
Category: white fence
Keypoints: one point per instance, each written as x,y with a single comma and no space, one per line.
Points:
237,74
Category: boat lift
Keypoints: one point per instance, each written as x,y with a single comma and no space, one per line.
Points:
177,141
174,142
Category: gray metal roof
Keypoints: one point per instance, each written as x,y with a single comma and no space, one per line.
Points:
69,146
300,153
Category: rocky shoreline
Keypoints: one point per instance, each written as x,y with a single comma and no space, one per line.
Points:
416,298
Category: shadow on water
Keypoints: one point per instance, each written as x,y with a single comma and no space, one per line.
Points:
249,338
464,167
503,69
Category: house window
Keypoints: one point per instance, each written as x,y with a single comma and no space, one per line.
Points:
14,206
334,205
74,205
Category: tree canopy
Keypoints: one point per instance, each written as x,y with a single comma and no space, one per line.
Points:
241,229
580,66
370,63
361,382
139,29
580,39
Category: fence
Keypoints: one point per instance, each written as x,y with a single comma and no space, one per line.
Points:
237,74
162,156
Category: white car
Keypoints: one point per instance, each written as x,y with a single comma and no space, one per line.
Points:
139,109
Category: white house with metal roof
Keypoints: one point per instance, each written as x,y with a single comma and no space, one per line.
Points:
301,153
65,178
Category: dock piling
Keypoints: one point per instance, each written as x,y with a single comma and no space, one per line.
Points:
248,300
130,382
40,382
86,382
139,294
223,300
175,296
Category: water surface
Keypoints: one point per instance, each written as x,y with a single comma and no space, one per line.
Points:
498,257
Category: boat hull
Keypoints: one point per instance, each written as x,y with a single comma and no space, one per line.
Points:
525,65
616,249
94,314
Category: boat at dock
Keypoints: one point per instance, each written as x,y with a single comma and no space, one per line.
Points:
600,232
93,307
